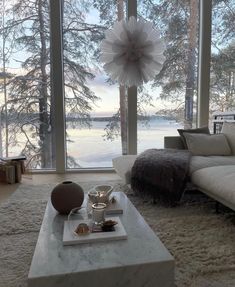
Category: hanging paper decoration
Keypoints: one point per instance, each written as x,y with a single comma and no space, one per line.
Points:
132,52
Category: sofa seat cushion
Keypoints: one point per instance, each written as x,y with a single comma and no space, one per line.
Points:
218,182
198,162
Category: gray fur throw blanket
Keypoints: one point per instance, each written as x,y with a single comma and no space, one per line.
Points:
162,174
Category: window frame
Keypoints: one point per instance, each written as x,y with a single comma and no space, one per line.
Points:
57,79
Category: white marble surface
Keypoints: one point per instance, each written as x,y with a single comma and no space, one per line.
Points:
141,260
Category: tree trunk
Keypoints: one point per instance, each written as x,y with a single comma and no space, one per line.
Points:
191,63
122,92
53,138
45,128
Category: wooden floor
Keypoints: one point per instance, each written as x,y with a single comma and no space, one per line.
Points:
7,190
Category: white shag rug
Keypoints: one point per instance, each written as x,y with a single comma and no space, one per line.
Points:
201,241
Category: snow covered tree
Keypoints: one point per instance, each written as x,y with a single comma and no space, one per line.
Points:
30,103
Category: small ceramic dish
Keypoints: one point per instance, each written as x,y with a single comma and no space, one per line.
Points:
82,229
100,194
108,225
104,192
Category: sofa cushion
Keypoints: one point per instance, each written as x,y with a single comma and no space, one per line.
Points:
202,144
218,182
199,162
229,130
202,130
173,142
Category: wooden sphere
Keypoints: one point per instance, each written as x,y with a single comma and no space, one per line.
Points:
66,196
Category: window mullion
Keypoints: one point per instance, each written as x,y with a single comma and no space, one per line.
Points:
204,62
57,84
132,97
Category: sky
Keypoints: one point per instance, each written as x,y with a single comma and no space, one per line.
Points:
109,95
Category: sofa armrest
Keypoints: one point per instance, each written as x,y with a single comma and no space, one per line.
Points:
173,142
123,165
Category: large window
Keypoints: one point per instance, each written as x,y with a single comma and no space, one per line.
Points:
92,101
25,98
95,108
222,80
169,101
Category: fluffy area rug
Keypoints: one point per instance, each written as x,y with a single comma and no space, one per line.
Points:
201,241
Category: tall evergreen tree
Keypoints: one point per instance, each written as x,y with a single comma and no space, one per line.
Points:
30,100
5,54
178,22
222,91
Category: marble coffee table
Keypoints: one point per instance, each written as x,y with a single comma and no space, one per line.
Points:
139,260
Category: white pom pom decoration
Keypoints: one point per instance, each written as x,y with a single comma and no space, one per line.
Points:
132,52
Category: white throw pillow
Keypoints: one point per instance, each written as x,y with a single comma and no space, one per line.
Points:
229,130
202,144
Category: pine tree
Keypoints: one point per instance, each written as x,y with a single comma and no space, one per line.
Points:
30,101
178,22
222,80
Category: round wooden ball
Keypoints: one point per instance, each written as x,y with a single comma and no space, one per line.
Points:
66,196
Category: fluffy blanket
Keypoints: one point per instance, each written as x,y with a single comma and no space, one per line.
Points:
161,173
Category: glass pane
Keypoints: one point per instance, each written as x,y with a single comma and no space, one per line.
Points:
25,82
222,77
169,101
92,100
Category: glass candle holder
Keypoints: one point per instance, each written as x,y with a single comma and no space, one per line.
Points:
98,211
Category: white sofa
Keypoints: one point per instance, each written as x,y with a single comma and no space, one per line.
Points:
213,175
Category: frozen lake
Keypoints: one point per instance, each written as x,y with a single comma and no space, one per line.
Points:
90,149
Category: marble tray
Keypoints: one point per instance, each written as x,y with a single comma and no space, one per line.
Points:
69,238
